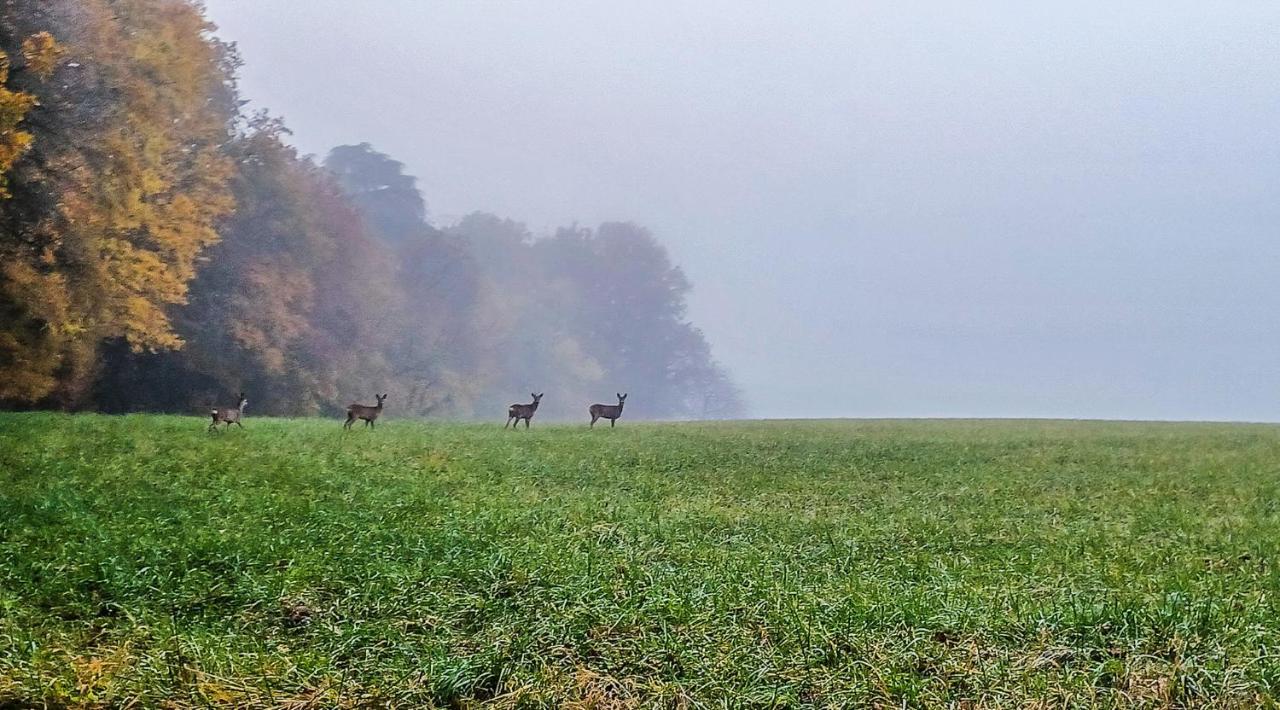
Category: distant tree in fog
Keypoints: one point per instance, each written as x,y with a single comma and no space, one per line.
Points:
383,194
629,312
494,311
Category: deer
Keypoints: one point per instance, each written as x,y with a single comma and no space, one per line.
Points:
607,411
516,412
365,412
228,415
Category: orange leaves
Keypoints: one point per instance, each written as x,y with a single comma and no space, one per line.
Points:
272,308
41,53
29,360
129,182
141,287
14,106
153,198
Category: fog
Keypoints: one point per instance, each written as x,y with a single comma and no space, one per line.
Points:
886,209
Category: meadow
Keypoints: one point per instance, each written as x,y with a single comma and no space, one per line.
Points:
765,564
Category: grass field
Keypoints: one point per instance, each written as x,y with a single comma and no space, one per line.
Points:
768,563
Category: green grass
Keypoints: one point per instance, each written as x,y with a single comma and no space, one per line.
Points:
769,563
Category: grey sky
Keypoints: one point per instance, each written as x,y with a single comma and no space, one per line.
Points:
887,209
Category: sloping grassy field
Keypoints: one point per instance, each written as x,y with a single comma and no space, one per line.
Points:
763,564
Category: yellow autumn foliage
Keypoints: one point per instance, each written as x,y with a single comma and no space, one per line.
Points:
130,159
14,106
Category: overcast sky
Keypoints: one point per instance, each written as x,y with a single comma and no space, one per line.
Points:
886,209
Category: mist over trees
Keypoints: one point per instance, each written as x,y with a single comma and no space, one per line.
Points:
160,250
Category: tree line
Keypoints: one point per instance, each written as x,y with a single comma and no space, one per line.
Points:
161,249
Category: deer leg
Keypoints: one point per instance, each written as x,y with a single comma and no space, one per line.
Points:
526,422
612,422
509,418
237,424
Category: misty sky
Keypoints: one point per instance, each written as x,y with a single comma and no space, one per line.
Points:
886,209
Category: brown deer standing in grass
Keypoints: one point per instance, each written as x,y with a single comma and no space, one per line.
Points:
607,411
516,412
228,415
365,412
